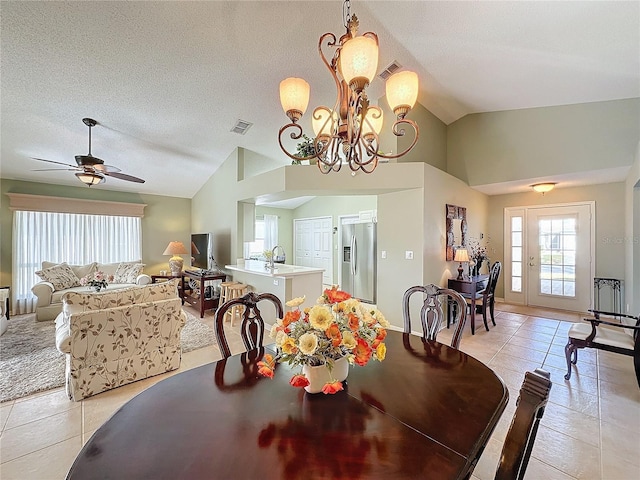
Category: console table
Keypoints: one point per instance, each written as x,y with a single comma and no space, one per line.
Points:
470,286
197,298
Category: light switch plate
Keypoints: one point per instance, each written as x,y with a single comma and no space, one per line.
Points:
275,282
408,255
383,254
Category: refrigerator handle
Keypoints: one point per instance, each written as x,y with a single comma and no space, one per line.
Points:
354,255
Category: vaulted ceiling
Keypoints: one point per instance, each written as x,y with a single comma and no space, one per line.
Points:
167,81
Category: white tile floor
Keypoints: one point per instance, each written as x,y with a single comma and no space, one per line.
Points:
590,430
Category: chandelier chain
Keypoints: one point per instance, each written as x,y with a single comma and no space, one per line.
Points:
346,13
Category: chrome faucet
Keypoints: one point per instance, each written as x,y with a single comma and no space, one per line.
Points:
273,255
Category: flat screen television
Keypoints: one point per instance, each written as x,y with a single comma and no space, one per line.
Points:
201,250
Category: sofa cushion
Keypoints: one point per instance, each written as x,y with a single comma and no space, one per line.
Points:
79,270
74,302
60,276
127,272
110,268
63,333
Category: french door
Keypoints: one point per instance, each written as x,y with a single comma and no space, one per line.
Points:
550,256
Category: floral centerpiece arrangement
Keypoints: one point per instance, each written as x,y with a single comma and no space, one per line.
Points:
98,280
337,329
478,254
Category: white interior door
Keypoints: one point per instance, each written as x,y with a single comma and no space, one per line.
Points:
314,245
558,258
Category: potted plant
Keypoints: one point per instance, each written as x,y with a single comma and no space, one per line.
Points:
305,148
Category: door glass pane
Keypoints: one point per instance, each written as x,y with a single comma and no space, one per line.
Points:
557,245
516,224
516,284
516,269
516,239
516,253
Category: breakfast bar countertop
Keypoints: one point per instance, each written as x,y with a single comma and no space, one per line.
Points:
257,267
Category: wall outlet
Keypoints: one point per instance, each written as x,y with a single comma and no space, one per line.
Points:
275,282
383,254
408,255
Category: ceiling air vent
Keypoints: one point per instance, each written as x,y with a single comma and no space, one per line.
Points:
390,70
241,127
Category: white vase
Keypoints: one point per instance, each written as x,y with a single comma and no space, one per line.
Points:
319,376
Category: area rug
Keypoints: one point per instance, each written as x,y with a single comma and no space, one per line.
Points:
30,362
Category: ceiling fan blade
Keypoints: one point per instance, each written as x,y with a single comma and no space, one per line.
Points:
55,170
122,176
101,167
53,161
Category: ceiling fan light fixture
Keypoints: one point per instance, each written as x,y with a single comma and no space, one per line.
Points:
89,178
543,187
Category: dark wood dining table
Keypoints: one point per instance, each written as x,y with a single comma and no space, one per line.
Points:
426,411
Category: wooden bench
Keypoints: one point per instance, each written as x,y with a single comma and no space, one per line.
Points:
623,338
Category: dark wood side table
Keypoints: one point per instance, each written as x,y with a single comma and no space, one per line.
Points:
181,286
198,298
470,285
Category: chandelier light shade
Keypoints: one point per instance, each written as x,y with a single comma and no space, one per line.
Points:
348,132
543,187
89,178
359,61
402,91
294,97
175,262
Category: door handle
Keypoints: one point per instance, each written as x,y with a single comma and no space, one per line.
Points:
354,255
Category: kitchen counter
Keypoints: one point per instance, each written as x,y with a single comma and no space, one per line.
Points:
257,267
284,281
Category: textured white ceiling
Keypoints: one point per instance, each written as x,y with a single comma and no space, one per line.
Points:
167,80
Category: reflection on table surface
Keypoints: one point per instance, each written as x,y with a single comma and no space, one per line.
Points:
426,411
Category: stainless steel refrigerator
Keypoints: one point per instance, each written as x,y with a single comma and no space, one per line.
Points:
358,260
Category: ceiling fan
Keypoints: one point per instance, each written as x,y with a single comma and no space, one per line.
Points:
91,170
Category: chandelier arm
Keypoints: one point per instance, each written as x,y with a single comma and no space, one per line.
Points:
331,42
294,136
399,133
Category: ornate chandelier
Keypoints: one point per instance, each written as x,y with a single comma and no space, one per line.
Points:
348,133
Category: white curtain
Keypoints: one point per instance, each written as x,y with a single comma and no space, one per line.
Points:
67,237
270,231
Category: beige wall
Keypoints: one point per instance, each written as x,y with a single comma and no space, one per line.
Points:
487,148
609,223
632,237
165,219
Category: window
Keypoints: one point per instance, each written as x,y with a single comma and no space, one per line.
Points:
67,237
516,254
255,249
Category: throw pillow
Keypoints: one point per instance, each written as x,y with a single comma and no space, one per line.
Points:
110,268
61,276
79,270
127,272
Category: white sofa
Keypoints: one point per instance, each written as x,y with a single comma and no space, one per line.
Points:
115,338
49,294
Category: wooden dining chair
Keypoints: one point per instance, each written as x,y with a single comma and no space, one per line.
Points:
252,326
431,313
518,443
485,298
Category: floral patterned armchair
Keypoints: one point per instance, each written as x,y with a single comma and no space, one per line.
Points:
115,338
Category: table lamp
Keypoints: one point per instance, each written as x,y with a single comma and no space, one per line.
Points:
175,262
461,256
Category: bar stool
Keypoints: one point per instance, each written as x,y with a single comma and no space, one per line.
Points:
224,291
236,290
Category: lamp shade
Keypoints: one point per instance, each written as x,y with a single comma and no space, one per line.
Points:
402,91
359,59
372,121
461,255
175,248
294,95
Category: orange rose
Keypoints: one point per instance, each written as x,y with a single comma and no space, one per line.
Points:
334,295
299,381
290,317
354,321
331,388
382,334
333,334
362,352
